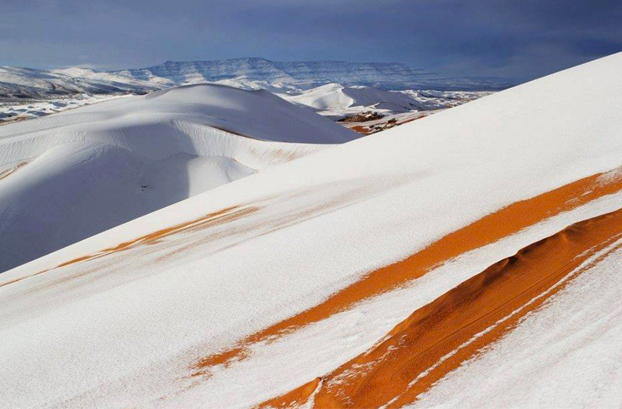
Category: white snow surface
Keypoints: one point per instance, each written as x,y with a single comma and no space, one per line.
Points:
28,93
81,172
125,329
565,355
17,110
33,83
337,101
343,336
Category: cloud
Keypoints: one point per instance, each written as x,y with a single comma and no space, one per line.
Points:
509,38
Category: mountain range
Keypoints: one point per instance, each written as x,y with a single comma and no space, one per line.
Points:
302,74
247,73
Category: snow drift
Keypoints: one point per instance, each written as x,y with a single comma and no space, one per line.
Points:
305,284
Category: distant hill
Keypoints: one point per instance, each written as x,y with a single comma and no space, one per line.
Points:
246,73
302,74
27,83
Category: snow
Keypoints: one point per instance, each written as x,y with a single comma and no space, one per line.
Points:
318,348
297,75
434,99
27,93
125,329
567,354
336,100
20,83
21,110
78,173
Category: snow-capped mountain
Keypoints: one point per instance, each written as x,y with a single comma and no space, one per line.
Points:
30,93
74,174
247,73
282,75
279,74
467,259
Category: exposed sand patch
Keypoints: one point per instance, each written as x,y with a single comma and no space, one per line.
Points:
487,230
384,123
8,172
437,338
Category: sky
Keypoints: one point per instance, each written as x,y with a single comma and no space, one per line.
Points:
510,39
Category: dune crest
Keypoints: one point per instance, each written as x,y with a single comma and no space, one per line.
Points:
440,336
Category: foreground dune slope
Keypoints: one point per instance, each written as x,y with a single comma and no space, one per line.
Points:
398,269
66,177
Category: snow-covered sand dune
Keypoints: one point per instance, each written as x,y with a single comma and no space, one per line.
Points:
385,271
66,177
336,100
31,93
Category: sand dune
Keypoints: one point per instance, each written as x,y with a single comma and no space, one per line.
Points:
505,222
87,170
437,338
389,270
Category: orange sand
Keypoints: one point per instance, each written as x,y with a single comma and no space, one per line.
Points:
415,353
487,230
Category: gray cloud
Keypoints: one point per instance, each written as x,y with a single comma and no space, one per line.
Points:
509,38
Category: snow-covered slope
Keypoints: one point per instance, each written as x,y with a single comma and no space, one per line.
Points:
19,110
248,73
74,174
31,83
358,276
27,93
336,100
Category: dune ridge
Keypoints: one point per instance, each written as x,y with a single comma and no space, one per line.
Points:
493,227
437,338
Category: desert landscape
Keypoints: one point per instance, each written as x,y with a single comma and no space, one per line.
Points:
192,296
303,231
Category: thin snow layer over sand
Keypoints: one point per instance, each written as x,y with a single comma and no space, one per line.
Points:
132,314
346,334
66,177
437,337
567,354
336,100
